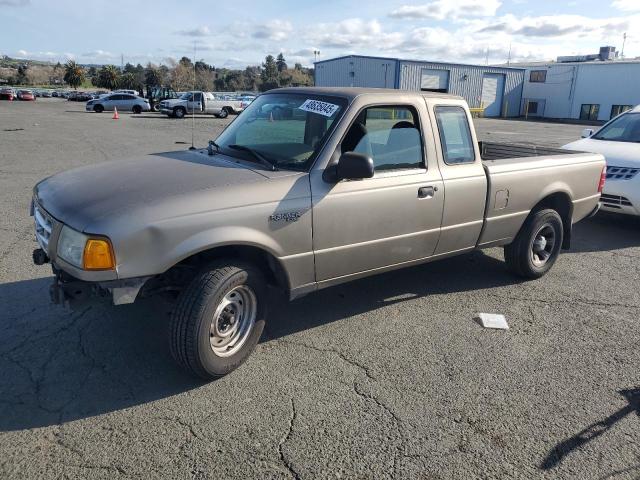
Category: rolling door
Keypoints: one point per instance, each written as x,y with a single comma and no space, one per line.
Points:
492,92
434,80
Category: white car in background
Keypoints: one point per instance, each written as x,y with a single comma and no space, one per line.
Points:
619,142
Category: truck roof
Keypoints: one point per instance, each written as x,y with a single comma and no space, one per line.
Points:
353,92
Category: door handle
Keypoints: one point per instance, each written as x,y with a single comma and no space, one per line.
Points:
427,192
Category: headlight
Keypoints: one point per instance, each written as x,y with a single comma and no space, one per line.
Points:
85,252
71,246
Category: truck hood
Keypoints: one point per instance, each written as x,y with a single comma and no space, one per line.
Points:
85,195
617,154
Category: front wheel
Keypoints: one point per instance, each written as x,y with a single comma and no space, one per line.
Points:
537,245
179,112
137,109
219,319
98,108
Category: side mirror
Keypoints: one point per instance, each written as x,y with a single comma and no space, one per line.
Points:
587,132
354,166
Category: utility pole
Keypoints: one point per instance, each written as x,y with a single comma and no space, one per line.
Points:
509,58
487,59
121,62
316,54
624,40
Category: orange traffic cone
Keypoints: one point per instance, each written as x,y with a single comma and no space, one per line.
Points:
115,113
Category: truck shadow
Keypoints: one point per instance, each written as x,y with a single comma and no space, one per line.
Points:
59,366
606,232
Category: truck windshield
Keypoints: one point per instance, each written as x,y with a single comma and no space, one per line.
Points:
186,96
286,129
625,128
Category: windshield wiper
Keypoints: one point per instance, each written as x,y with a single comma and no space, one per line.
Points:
271,165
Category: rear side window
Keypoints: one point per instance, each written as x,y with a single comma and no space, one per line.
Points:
390,135
455,135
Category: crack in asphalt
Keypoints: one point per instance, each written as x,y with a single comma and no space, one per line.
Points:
350,361
285,439
396,421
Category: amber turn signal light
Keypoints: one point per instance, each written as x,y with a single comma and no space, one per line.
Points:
98,255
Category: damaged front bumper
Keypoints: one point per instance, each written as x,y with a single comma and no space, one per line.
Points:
68,290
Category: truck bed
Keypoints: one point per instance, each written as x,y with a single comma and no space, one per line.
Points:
502,151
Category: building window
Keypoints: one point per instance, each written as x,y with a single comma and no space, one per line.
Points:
618,109
538,76
589,111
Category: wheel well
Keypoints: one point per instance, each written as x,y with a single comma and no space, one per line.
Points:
561,203
181,274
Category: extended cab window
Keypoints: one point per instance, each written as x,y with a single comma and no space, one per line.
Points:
390,135
455,135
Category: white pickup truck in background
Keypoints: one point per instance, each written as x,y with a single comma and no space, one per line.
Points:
201,102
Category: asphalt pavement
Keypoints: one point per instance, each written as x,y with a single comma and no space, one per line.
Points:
386,377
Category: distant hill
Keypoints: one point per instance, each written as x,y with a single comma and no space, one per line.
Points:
9,62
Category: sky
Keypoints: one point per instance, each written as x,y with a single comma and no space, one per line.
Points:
234,35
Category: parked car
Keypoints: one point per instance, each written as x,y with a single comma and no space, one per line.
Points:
351,183
130,92
46,93
200,102
7,94
121,101
26,95
619,142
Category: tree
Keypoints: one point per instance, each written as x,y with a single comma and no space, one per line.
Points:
152,76
108,77
73,74
128,81
281,63
21,78
269,74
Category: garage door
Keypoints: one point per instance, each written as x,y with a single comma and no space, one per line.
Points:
434,80
492,92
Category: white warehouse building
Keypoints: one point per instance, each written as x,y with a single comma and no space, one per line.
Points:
496,89
593,90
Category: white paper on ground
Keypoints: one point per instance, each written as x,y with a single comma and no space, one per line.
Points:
493,320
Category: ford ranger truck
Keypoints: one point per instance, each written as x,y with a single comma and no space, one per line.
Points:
343,183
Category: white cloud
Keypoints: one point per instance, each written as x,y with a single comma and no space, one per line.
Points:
627,5
277,30
446,9
195,32
14,3
353,33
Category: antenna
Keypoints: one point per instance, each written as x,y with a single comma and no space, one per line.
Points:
193,110
624,40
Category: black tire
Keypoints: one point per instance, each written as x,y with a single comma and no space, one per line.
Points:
155,107
224,113
191,322
531,258
137,109
179,112
98,108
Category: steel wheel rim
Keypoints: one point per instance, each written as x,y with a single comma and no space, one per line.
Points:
233,321
543,245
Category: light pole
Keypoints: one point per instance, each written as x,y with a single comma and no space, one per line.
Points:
316,54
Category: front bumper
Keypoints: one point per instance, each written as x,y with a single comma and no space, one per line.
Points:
68,290
622,196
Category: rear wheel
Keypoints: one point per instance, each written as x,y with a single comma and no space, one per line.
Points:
98,108
537,245
136,109
219,319
179,112
224,113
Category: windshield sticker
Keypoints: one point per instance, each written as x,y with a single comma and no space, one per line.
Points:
321,108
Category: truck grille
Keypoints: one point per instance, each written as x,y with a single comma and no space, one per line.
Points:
44,226
614,201
621,173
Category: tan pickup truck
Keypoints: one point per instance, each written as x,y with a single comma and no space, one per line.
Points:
340,184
